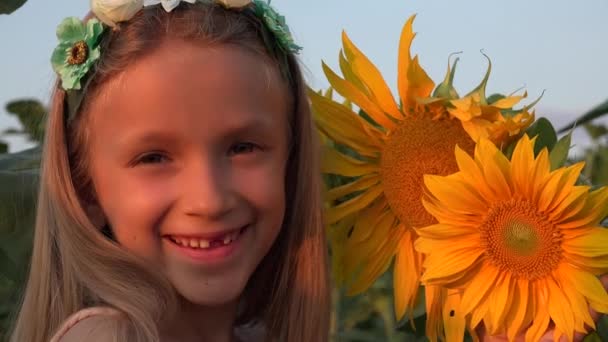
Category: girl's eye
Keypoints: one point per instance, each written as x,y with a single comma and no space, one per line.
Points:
242,148
151,158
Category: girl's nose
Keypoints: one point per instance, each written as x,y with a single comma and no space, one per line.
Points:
208,191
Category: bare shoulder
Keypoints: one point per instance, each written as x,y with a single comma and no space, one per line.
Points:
91,325
92,329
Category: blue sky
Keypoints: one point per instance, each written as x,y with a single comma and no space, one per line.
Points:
558,46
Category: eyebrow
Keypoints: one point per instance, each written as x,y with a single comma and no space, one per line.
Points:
168,137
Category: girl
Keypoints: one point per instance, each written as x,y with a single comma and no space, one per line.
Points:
179,196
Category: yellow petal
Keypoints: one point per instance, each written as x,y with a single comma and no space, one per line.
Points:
499,298
449,264
352,205
592,244
478,289
405,44
406,280
539,325
360,184
591,287
572,205
455,195
558,186
454,320
508,102
343,125
495,168
477,128
371,77
560,313
576,300
367,220
377,265
520,314
420,85
350,76
337,163
445,231
595,209
349,91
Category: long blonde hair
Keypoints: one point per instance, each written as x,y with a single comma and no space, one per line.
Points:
75,266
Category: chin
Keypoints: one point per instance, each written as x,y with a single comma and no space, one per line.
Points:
211,292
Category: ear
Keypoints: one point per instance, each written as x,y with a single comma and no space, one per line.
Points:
96,215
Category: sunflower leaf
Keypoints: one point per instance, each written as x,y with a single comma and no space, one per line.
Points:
545,133
559,153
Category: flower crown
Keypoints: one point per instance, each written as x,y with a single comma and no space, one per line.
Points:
79,43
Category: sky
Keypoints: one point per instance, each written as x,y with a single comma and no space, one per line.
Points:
554,46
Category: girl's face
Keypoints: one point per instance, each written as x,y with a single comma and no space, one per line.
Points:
188,153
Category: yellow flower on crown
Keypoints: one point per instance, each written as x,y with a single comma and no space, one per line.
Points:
385,149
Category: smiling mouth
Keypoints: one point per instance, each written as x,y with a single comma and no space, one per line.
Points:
206,244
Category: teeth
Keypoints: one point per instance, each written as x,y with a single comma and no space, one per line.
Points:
203,244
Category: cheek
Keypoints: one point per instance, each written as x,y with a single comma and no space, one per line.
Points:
133,207
264,189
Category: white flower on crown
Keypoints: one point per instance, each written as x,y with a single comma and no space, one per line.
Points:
234,3
111,12
168,5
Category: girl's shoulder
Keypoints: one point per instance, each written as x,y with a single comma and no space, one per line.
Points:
92,324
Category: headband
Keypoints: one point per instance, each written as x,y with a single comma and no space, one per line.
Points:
79,48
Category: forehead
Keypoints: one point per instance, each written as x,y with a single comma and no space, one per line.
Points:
182,86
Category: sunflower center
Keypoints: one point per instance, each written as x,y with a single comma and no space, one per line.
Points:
520,237
521,240
79,53
419,145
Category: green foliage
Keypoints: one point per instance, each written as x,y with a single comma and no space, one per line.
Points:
596,112
10,6
18,190
31,114
596,156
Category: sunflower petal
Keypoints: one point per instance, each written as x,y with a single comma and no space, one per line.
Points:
592,244
577,301
337,163
355,204
591,287
499,298
561,314
349,91
520,313
350,76
595,209
420,85
539,325
367,220
405,44
367,72
454,320
407,271
479,288
344,126
449,264
360,184
454,195
444,231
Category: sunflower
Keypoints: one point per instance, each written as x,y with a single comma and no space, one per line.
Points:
523,244
384,150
